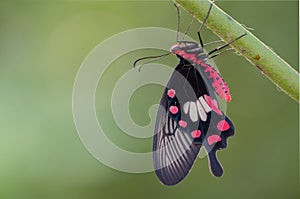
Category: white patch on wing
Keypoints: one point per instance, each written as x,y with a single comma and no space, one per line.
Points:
193,112
198,109
201,111
186,107
204,104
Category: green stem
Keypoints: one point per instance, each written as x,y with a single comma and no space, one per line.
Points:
254,50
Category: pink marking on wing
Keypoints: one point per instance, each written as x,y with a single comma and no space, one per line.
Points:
213,104
213,139
182,123
223,125
171,93
196,133
174,109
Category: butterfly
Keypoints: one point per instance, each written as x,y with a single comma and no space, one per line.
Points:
189,116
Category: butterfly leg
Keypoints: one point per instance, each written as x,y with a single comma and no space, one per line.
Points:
201,26
213,56
225,45
213,42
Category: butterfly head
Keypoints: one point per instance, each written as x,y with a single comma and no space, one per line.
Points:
186,47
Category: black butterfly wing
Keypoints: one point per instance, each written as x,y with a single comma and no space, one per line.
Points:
174,149
180,131
221,129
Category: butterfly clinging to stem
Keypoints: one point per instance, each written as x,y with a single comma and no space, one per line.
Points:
189,116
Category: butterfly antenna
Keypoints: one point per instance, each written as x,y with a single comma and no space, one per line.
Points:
153,58
188,28
178,21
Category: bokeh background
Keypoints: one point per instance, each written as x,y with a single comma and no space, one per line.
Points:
42,46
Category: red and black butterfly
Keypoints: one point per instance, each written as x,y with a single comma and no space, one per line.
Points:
189,116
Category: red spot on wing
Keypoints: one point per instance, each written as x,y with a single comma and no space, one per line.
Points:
213,104
213,139
196,133
182,123
171,93
223,125
174,109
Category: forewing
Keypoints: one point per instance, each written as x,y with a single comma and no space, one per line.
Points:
173,150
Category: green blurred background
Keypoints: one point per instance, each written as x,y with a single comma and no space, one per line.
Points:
42,47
